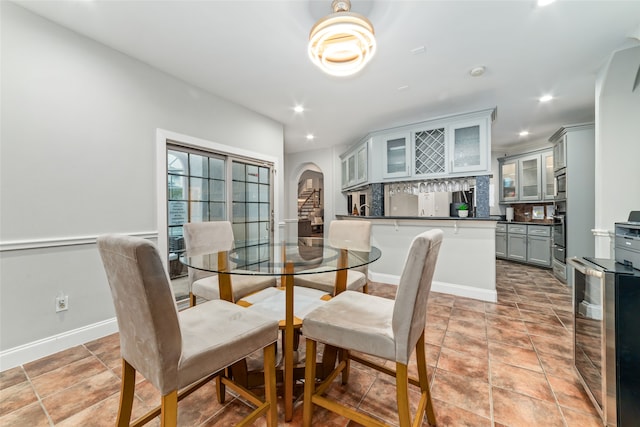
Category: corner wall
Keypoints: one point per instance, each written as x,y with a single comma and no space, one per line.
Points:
617,146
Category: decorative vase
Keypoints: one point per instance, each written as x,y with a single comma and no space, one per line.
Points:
463,214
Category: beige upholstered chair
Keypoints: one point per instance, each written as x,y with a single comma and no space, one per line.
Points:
380,327
178,350
352,235
209,237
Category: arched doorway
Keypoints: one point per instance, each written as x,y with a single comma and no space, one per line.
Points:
310,199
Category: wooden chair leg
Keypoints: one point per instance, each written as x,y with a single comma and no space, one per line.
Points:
127,388
309,383
402,392
365,288
344,357
270,384
221,390
169,410
192,299
423,377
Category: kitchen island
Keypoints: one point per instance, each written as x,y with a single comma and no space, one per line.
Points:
466,263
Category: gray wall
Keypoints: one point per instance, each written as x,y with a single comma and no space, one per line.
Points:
78,156
617,145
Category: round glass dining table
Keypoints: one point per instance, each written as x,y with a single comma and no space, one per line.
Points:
286,259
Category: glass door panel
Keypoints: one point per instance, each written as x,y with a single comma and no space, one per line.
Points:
530,178
509,183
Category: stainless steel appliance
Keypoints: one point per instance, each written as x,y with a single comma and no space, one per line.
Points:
606,303
560,186
559,245
628,242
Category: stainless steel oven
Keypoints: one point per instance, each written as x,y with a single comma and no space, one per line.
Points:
560,186
559,246
606,298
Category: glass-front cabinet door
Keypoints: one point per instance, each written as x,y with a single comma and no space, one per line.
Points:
509,181
547,176
396,155
361,161
469,147
345,183
529,178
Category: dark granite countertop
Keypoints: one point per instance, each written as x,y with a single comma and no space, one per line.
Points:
428,218
525,222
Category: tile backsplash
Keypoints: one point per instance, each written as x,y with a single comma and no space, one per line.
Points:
523,212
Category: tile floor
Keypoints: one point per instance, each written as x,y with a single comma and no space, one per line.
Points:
503,364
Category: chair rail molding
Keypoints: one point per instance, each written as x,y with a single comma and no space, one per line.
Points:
51,242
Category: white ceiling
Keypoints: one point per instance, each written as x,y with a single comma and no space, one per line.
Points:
254,53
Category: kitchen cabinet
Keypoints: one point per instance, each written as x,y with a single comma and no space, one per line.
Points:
575,144
509,181
528,243
526,177
529,178
469,143
430,152
501,240
517,242
548,189
539,245
559,153
354,166
452,146
396,155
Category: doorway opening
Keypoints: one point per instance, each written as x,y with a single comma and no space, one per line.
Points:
311,204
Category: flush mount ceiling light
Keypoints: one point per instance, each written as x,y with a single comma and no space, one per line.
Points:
342,43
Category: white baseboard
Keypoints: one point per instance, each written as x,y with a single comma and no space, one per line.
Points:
37,349
489,295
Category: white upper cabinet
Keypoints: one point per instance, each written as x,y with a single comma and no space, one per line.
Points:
470,149
452,146
396,154
430,152
355,165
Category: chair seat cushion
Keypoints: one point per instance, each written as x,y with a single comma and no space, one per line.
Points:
216,334
271,302
354,321
209,289
326,281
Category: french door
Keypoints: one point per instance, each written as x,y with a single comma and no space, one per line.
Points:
209,186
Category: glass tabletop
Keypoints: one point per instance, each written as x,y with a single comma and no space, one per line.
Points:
307,255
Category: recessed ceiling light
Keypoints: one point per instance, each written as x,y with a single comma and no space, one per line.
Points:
401,88
545,2
418,50
524,133
298,108
477,71
546,98
310,136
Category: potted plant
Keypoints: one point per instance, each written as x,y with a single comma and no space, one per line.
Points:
463,210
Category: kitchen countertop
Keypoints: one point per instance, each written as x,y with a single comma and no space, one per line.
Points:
525,222
428,218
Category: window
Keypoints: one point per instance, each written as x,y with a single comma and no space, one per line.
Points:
207,186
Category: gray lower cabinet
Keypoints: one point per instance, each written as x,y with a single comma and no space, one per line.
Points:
524,243
517,245
539,245
501,240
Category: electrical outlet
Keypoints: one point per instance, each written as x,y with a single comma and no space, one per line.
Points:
62,303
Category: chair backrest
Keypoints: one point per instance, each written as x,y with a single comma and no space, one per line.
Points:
410,309
204,238
150,338
350,234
